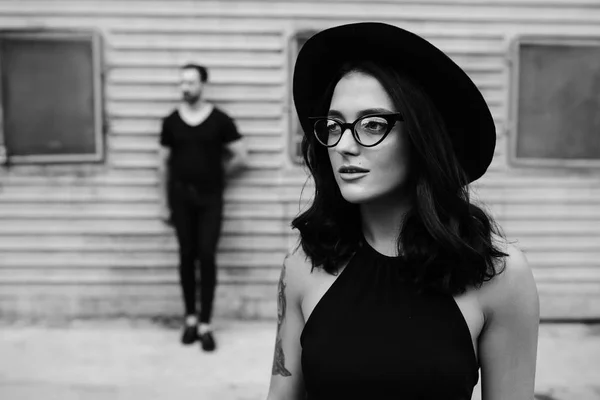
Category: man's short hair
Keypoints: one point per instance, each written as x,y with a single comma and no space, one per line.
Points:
202,71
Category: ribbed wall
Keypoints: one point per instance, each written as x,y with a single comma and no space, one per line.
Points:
86,240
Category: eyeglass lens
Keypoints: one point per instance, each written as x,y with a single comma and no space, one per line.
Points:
369,130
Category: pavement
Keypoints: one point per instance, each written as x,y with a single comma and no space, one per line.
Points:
125,359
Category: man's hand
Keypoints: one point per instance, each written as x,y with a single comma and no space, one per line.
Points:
164,214
235,157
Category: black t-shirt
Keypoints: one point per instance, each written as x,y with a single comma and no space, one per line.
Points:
197,151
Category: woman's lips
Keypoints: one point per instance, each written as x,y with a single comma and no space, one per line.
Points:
350,169
352,176
352,173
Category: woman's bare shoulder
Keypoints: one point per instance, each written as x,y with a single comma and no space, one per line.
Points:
298,268
513,288
297,258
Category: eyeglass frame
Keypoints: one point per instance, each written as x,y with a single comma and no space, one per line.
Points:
391,119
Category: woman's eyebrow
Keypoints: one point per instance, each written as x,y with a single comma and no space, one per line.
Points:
335,113
361,113
374,111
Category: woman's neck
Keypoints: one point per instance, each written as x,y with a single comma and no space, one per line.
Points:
382,221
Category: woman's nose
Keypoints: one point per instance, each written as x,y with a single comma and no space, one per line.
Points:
347,143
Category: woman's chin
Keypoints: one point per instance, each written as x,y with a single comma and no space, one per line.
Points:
356,197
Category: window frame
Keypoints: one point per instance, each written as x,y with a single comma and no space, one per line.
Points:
63,35
295,133
514,59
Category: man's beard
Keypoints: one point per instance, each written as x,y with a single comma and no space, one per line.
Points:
191,98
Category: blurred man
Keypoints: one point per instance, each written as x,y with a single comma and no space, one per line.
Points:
200,146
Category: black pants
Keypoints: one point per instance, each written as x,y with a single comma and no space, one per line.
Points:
197,221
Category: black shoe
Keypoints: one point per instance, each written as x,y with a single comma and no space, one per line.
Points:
208,341
190,334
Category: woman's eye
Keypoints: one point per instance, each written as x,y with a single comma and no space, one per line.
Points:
332,127
374,125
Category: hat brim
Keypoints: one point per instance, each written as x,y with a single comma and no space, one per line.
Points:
464,110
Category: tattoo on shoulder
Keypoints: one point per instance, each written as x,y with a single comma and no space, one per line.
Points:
279,357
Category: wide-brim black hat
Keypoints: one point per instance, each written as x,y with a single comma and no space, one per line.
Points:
459,101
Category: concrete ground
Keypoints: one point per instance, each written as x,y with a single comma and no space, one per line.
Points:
102,360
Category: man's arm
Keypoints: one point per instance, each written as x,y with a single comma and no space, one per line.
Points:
236,156
163,177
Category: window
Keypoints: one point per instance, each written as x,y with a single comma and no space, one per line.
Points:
50,96
555,102
296,132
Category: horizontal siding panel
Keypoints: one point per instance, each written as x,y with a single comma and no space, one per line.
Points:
212,93
574,301
246,126
507,3
64,301
320,10
196,26
535,179
142,143
577,194
495,98
35,176
566,262
170,76
475,45
587,196
123,159
226,276
159,110
29,176
132,227
151,143
138,292
115,243
130,210
567,267
196,41
480,63
150,300
192,25
520,213
517,229
568,275
130,262
534,212
42,194
214,59
140,194
559,242
504,27
471,62
573,294
447,27
233,241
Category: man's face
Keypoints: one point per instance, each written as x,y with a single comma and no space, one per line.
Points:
191,85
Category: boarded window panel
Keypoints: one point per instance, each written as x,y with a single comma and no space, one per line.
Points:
49,97
296,132
559,102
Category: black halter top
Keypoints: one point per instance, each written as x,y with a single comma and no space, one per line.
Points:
371,336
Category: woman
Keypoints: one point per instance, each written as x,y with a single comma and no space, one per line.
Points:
401,287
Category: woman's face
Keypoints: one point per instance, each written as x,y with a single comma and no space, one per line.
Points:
383,169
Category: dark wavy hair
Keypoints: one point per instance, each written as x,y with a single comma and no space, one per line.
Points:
202,71
446,241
